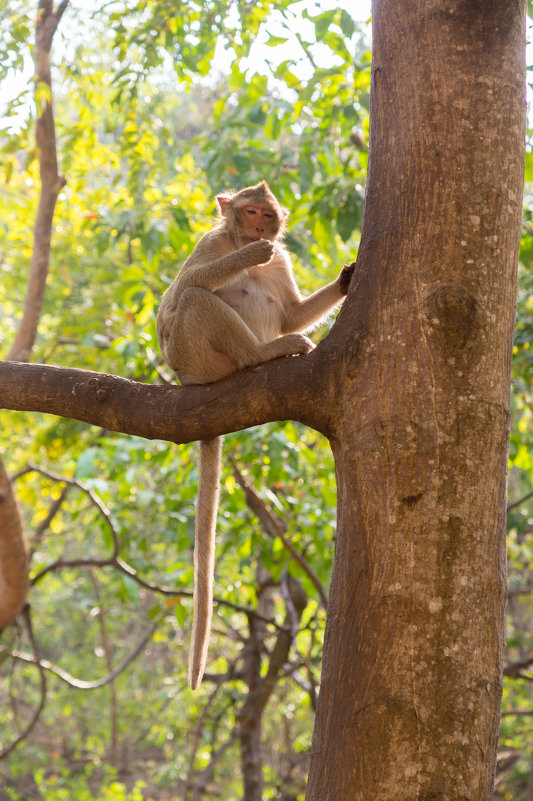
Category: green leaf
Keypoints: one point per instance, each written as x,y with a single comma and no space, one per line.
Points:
129,589
85,466
347,24
349,216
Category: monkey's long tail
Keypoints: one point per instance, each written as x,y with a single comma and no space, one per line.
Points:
204,556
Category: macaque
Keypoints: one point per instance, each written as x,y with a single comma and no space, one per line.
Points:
234,304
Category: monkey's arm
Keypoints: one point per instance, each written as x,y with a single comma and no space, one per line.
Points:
208,270
302,313
306,312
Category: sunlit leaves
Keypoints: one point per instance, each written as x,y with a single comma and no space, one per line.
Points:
15,31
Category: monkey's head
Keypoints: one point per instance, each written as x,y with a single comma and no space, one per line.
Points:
253,213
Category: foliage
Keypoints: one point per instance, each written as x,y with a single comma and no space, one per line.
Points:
159,105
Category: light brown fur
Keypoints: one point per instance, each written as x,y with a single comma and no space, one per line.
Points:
234,304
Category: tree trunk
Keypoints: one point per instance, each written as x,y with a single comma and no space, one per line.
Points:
412,388
13,561
51,182
260,688
411,685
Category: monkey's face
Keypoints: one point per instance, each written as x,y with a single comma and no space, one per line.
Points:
256,221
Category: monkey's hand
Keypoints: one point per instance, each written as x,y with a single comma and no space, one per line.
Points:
298,343
345,276
258,252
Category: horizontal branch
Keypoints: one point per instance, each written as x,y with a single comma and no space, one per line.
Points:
520,501
515,670
280,390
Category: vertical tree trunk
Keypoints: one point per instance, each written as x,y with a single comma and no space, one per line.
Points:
250,717
260,688
51,183
410,694
13,561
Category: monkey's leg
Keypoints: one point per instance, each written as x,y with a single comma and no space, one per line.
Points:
217,341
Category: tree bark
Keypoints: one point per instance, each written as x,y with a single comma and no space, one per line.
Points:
412,388
260,689
279,390
51,183
412,671
13,561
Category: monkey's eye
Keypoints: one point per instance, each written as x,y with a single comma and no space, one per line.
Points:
251,211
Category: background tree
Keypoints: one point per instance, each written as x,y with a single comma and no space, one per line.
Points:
133,197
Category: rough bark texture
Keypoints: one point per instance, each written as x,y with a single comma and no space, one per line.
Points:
278,390
412,387
13,562
409,701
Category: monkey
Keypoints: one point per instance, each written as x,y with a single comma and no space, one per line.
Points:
234,304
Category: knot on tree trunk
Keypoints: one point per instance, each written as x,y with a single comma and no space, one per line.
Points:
453,312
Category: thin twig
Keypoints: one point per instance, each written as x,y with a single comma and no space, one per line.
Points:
207,772
26,616
197,732
520,500
79,684
55,506
514,670
274,527
75,482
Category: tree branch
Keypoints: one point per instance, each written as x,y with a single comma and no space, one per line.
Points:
204,777
107,648
42,686
198,730
515,669
274,527
54,508
520,501
79,684
93,498
118,564
279,390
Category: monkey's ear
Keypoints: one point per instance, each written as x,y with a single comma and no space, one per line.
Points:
223,203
